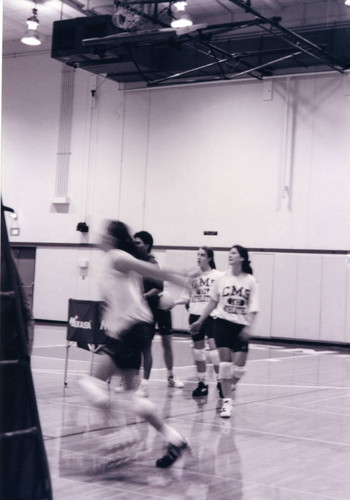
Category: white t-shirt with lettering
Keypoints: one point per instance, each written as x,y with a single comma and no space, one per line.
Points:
236,297
199,294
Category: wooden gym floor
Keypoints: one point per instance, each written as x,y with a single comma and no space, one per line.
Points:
288,437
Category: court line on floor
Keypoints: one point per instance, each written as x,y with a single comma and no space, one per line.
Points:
282,358
61,359
274,434
180,418
189,381
49,346
308,409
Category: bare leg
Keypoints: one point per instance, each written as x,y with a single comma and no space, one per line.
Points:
201,364
226,382
240,359
214,355
106,368
147,362
96,390
169,360
168,352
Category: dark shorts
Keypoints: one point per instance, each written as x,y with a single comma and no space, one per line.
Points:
162,322
227,334
206,330
126,351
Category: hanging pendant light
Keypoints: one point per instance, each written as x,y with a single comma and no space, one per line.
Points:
31,36
180,18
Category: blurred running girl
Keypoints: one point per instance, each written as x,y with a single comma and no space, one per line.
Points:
129,321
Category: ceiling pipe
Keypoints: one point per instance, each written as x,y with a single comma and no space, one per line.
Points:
200,83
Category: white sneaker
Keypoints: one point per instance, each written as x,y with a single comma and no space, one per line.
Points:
226,409
142,391
175,382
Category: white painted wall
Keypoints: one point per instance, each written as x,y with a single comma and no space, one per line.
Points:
302,296
31,106
180,161
217,155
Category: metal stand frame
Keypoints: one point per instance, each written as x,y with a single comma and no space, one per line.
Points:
21,440
92,348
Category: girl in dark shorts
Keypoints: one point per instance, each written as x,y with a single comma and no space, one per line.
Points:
201,283
234,298
128,320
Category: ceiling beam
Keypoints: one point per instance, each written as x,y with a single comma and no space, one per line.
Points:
79,7
293,38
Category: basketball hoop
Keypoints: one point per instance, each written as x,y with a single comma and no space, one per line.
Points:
125,17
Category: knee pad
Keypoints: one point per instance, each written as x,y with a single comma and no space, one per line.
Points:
238,371
225,370
214,357
199,354
143,407
95,390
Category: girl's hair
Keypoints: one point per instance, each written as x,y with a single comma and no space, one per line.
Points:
120,232
243,252
210,253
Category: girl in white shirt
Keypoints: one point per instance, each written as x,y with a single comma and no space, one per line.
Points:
129,322
201,284
234,298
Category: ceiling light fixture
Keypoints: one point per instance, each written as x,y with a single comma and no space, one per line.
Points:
31,36
347,2
180,18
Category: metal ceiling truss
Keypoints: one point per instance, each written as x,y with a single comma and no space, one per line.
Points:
272,26
292,38
150,50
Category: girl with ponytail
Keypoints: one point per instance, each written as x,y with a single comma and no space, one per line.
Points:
196,299
234,298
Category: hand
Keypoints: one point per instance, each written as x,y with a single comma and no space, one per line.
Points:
195,327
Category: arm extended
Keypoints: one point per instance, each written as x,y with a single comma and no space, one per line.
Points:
125,262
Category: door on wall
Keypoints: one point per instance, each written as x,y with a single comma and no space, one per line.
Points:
24,258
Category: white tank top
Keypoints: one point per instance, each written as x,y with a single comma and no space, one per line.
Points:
123,294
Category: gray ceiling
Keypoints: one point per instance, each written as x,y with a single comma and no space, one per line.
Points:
231,39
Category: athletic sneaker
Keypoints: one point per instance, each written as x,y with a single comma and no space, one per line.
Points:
200,390
219,388
143,389
173,453
175,382
226,409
